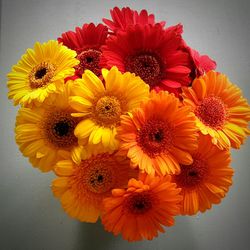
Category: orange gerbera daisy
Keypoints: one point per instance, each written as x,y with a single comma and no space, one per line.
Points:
159,135
221,111
207,180
82,187
140,211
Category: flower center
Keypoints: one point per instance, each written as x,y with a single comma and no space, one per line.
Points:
155,137
62,128
41,75
100,179
97,174
89,59
107,111
212,112
59,129
138,203
192,175
147,66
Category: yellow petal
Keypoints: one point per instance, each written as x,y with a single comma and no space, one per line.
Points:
76,154
105,73
84,128
79,103
64,168
106,137
98,136
93,82
236,129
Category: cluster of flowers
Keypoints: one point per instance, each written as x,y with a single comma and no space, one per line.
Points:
136,125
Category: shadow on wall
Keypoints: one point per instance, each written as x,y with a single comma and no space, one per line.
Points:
94,237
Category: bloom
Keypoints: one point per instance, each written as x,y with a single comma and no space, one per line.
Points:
207,180
151,53
81,187
200,63
86,41
40,72
159,135
221,111
101,106
139,211
45,134
122,18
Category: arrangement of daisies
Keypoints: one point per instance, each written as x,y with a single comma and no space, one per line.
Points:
136,125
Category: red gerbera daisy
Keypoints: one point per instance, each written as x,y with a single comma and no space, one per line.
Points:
122,18
151,53
86,41
201,64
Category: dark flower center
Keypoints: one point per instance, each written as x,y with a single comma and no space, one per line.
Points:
192,175
59,129
62,128
138,203
155,137
89,59
147,66
158,136
41,75
99,177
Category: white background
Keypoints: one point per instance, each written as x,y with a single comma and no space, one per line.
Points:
30,217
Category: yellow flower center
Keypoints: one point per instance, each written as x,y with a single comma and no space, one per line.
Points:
212,112
147,66
41,75
107,111
58,127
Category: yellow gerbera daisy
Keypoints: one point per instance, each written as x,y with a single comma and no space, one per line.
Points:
101,105
221,111
40,71
45,134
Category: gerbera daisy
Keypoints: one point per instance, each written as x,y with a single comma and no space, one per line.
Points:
82,187
122,18
40,72
86,41
200,63
140,211
207,180
221,111
159,135
45,134
151,53
100,106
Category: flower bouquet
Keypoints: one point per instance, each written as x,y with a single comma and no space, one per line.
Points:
136,125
